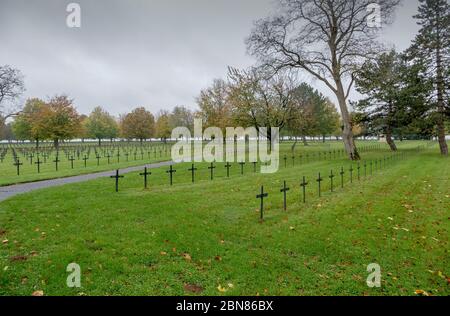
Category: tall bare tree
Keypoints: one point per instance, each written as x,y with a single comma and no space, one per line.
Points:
11,87
329,39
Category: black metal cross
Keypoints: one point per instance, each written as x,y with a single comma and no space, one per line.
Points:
17,163
108,156
331,176
284,190
228,165
351,174
358,168
303,184
71,161
117,177
97,156
56,162
145,174
85,158
38,163
171,171
342,177
211,168
319,180
254,166
242,163
192,170
262,196
285,161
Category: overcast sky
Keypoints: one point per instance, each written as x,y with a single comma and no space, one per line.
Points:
153,53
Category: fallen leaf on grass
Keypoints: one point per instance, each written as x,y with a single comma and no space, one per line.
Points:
163,253
38,293
221,289
218,258
187,256
5,241
193,288
18,258
421,293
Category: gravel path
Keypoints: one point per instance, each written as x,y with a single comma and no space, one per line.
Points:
12,190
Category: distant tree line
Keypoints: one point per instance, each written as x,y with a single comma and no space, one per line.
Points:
404,93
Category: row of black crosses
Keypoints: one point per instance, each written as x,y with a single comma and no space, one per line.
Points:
324,155
192,171
111,152
362,170
71,157
171,171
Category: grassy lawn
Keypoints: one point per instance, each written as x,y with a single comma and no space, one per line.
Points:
206,238
29,172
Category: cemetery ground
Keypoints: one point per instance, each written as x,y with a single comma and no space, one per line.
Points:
74,160
110,157
205,238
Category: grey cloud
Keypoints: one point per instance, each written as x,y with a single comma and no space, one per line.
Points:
156,54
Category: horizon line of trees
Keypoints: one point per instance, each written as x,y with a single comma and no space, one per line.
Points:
330,41
302,112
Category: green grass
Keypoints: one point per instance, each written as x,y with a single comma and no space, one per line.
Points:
29,172
135,241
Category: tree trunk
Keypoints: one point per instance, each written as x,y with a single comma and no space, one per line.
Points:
440,100
56,143
99,142
305,142
390,141
37,143
295,144
347,134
